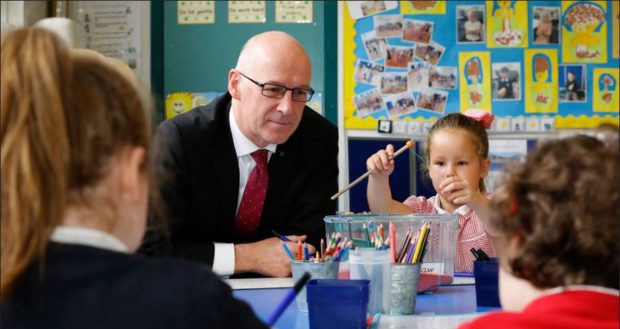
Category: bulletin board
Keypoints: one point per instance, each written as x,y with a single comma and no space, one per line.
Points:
556,60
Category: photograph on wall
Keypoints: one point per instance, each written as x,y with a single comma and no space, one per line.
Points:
368,72
398,56
470,24
506,24
541,80
360,9
506,81
546,25
584,32
605,98
399,105
388,26
443,77
417,31
393,82
572,83
368,103
475,80
418,75
375,47
430,53
432,100
418,7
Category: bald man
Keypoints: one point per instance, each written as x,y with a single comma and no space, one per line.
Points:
207,161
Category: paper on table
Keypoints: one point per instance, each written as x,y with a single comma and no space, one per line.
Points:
260,283
423,321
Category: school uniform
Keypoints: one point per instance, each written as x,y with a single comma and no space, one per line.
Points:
88,280
575,307
470,233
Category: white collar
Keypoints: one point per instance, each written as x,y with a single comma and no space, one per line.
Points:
598,289
243,146
87,237
462,210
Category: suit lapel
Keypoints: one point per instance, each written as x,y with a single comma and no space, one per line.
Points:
225,173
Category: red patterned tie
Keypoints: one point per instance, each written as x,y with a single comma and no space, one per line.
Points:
253,199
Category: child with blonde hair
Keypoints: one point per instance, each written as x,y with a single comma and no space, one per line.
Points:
457,150
76,141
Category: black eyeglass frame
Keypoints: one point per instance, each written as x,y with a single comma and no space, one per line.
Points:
308,91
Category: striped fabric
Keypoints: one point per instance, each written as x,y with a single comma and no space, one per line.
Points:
469,234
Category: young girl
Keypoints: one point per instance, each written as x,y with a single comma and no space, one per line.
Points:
75,143
556,225
457,150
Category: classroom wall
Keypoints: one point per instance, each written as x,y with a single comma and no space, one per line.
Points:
197,57
359,132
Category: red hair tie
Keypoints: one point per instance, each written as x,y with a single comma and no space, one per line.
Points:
514,205
483,117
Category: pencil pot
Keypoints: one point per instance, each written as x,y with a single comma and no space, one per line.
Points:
404,279
373,265
319,270
487,290
338,304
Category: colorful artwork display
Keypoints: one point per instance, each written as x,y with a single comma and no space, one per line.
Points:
541,79
605,90
506,26
536,65
475,80
584,32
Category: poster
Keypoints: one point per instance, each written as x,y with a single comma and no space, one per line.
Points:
507,24
584,32
541,80
180,102
423,7
113,29
246,12
196,12
605,88
293,11
475,80
615,16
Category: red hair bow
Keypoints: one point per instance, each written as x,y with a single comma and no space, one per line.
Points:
483,117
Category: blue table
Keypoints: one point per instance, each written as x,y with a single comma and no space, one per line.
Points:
446,300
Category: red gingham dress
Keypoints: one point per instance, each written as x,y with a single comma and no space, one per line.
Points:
470,232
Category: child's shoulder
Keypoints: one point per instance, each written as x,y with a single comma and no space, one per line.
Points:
421,204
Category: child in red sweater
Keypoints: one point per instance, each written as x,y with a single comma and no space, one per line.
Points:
556,225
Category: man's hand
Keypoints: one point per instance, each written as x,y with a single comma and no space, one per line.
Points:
267,257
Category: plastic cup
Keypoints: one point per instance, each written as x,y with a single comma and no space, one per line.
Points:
319,270
338,304
373,265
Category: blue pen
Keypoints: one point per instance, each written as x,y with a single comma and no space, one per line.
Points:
281,237
288,251
288,299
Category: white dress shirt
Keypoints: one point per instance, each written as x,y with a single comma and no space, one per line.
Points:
224,257
88,237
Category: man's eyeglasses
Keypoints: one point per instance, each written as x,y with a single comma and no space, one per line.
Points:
277,91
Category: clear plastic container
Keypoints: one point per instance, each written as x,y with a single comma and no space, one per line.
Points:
438,262
373,265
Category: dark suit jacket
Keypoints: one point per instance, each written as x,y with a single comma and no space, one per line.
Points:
84,287
199,181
